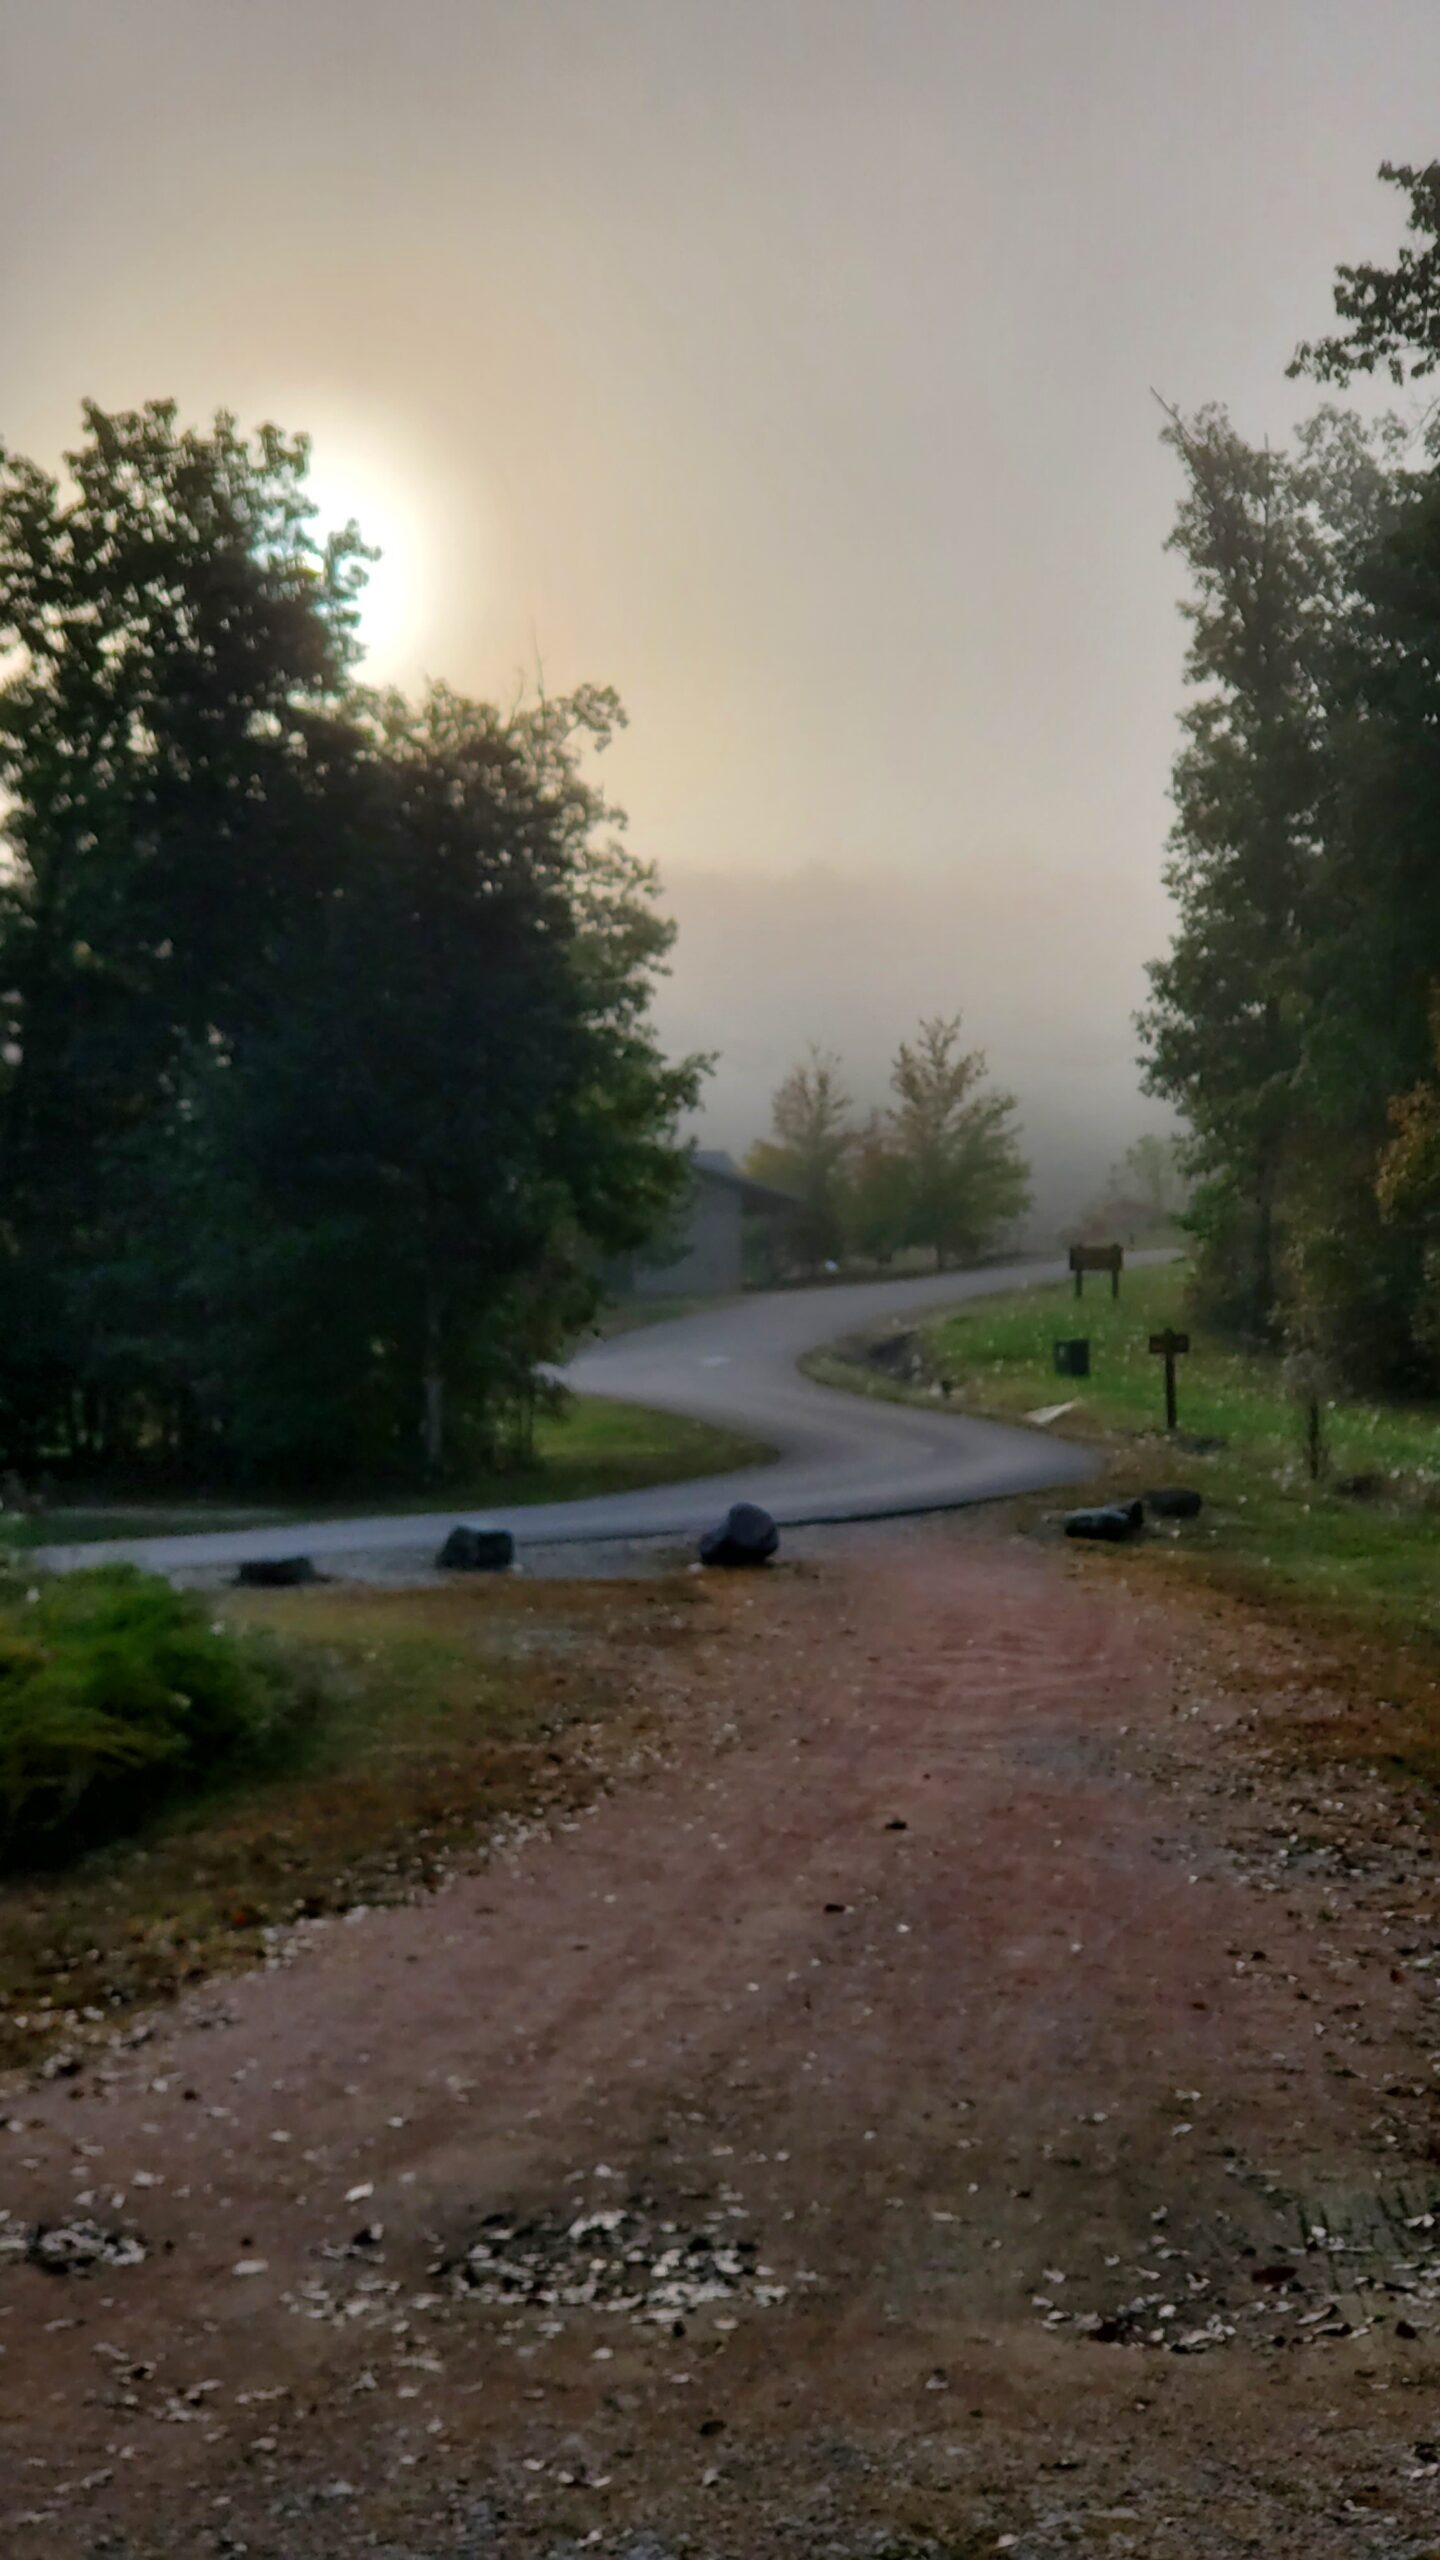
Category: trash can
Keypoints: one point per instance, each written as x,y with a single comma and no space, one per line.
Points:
1072,1359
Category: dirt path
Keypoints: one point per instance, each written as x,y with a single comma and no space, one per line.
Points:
1007,2132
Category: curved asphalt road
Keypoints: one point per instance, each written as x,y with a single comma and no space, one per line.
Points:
840,1456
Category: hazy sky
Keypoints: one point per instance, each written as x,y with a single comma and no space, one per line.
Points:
786,363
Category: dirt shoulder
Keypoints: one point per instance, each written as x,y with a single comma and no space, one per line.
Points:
974,2093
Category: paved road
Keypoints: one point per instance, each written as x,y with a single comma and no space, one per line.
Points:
840,1457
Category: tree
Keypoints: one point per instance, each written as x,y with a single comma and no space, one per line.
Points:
809,1152
1154,1173
964,1174
1291,1021
1393,313
447,1109
877,1215
329,1076
1151,1178
179,646
1408,1184
1223,1034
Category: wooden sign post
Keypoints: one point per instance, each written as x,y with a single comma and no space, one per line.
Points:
1169,1344
1097,1257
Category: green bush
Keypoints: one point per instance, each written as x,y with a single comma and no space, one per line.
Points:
116,1692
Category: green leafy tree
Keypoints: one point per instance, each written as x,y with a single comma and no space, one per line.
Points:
406,1167
1391,314
964,1173
1364,1250
1408,1186
329,1076
1272,542
1154,1172
877,1217
809,1153
178,646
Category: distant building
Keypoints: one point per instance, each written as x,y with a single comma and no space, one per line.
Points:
702,1254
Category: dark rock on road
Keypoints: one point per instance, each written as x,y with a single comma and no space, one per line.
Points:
477,1551
746,1536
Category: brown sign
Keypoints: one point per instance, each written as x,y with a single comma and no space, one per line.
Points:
1097,1257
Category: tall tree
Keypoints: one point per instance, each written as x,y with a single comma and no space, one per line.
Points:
1152,1170
1223,1031
446,1107
809,1150
877,1217
1391,314
178,646
328,1074
965,1175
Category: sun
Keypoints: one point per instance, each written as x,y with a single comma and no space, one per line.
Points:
351,478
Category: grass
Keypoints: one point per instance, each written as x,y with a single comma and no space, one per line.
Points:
595,1446
439,1715
118,1694
1266,1531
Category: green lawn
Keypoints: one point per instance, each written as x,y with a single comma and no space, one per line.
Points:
999,1353
1265,1527
595,1446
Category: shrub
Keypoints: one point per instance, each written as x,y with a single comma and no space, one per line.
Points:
116,1692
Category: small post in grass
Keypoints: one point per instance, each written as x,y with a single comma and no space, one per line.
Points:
1308,1378
1097,1257
1169,1345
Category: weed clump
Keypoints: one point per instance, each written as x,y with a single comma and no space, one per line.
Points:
117,1693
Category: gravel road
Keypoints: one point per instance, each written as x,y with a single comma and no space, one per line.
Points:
930,2109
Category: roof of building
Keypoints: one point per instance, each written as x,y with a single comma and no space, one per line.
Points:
714,1164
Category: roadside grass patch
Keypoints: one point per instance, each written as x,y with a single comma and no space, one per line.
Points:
598,1445
438,1714
1266,1532
999,1355
595,1445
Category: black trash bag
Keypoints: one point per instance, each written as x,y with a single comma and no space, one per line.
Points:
277,1573
746,1535
477,1551
1109,1520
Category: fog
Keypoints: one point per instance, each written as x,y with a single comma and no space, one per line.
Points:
787,366
850,959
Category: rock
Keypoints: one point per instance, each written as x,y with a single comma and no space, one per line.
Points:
747,1535
477,1551
73,2248
1367,1486
277,1573
1109,1520
895,1355
1174,1502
